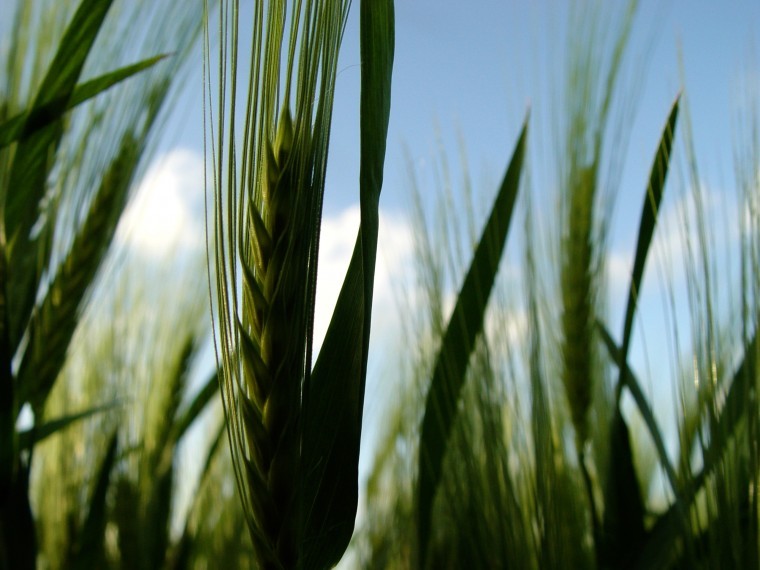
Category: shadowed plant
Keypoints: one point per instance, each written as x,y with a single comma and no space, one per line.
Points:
66,171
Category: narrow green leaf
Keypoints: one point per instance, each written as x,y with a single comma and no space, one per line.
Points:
194,409
459,341
623,530
29,438
29,122
649,213
89,553
334,394
32,163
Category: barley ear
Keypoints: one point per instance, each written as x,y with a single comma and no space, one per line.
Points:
266,238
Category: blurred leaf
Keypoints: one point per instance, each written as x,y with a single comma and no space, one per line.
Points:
458,342
90,550
196,407
53,324
649,213
29,438
25,124
32,163
334,394
184,546
664,532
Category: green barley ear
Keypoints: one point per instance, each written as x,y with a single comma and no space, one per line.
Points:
294,432
578,299
597,107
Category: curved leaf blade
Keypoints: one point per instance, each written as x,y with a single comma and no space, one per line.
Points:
29,122
334,393
459,341
649,212
29,438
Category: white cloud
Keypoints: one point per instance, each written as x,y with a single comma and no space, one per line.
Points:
166,215
336,246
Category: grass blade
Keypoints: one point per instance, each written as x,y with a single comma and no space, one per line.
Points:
196,407
458,342
32,163
29,438
334,395
623,531
24,125
623,528
649,213
634,387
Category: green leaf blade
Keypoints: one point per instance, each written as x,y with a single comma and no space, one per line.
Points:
649,213
32,162
334,393
25,124
458,342
31,437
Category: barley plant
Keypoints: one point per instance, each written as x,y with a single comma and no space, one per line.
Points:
294,428
523,436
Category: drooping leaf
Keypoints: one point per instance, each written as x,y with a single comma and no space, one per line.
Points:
459,341
643,406
31,437
32,162
334,394
29,122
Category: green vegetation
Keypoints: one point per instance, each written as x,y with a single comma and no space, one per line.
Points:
537,445
523,436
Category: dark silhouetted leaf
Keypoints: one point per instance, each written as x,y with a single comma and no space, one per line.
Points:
458,342
334,395
31,437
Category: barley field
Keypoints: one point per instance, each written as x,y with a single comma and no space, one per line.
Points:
555,369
